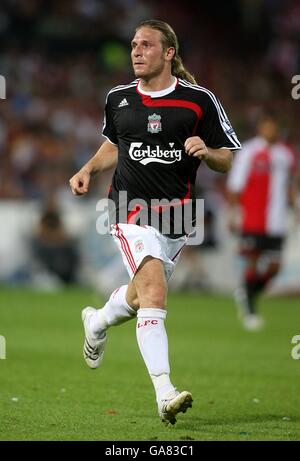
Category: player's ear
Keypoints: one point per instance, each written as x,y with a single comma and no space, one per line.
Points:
169,53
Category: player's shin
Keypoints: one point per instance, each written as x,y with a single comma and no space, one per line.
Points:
153,344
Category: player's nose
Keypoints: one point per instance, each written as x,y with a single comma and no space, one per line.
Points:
137,52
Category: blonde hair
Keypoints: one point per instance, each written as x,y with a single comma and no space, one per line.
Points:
169,39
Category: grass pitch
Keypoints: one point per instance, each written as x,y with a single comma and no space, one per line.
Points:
245,385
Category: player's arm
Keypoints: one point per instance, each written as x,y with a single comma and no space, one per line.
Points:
219,159
216,159
106,158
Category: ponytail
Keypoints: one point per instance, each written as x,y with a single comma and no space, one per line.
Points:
178,70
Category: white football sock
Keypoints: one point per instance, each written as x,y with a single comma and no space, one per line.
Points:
163,386
153,343
115,312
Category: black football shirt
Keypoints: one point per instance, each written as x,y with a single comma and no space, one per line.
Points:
150,130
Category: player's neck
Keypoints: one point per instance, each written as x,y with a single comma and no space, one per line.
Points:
159,83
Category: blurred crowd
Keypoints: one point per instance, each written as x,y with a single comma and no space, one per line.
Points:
60,58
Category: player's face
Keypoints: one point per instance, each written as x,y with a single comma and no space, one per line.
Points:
147,55
269,129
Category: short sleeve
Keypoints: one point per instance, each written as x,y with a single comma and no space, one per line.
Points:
214,128
238,175
109,131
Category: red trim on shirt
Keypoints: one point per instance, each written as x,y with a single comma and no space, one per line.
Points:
158,102
148,101
132,214
159,208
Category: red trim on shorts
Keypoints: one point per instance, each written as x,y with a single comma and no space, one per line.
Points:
130,262
126,249
115,292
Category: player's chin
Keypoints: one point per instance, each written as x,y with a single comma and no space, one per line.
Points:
139,72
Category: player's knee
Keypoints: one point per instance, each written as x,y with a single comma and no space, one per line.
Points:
132,297
150,282
153,295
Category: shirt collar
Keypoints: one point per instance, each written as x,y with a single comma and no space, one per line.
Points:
160,93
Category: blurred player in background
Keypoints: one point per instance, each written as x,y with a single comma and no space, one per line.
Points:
261,185
54,250
158,129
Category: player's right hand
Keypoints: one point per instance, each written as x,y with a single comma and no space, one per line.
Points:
80,182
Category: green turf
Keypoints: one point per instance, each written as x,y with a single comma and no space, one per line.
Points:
245,385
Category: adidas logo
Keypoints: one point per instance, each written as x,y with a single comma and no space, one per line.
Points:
123,103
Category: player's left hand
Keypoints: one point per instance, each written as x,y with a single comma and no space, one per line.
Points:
195,147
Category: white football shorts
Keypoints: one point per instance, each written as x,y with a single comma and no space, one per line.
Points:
137,242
